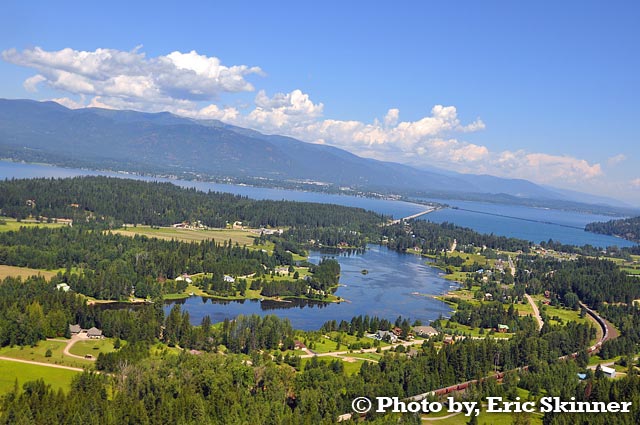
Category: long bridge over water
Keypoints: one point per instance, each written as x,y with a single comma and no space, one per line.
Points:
411,217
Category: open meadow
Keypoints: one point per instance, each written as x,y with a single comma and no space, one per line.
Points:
23,372
242,237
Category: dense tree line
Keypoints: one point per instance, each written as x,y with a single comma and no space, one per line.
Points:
115,201
227,389
431,237
190,389
361,324
628,228
593,281
33,309
338,235
488,315
626,319
111,265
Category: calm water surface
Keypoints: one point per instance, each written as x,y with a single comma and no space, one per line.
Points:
396,284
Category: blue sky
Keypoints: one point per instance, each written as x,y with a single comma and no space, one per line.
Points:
542,90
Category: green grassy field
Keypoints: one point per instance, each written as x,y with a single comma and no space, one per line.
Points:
564,314
12,224
92,347
37,354
524,309
350,367
326,345
10,371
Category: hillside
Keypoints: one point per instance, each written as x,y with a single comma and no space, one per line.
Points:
628,228
169,145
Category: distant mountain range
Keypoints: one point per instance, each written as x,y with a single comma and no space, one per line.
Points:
166,144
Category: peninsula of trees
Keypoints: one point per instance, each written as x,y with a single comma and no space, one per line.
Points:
628,228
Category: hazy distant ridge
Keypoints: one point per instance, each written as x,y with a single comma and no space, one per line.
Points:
163,143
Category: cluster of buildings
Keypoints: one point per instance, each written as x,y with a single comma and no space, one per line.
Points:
93,333
196,225
394,334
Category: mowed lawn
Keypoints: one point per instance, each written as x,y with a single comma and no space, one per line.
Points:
23,372
24,272
12,224
242,237
92,347
38,354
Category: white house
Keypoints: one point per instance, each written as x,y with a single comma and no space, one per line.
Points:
390,336
63,287
184,277
609,372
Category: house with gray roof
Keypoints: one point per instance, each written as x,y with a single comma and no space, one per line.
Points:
94,333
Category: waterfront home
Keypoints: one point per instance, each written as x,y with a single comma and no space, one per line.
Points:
386,336
425,331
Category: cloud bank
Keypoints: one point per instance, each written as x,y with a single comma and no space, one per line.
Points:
190,84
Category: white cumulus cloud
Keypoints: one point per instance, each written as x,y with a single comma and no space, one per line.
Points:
131,79
190,83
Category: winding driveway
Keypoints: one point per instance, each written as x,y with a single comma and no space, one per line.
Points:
82,336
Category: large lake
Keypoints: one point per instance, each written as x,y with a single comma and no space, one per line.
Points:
396,283
534,224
